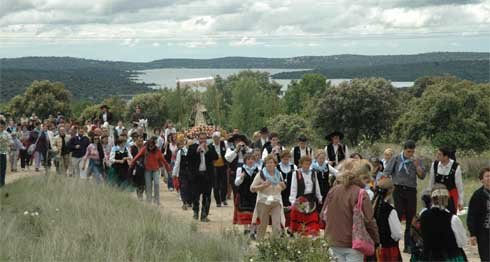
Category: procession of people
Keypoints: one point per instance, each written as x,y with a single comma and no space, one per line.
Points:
359,204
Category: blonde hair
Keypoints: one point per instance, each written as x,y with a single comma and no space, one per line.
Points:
389,151
320,152
440,195
285,153
270,157
352,170
304,159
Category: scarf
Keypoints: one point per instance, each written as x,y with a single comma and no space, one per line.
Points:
249,170
275,180
259,163
285,168
316,166
404,163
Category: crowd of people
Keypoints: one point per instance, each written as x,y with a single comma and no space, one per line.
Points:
359,203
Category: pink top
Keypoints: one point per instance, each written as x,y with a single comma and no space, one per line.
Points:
92,152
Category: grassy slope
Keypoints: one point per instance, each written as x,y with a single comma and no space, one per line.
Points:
79,220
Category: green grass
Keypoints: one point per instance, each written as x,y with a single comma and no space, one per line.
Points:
80,221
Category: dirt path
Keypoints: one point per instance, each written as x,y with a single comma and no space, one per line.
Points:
221,218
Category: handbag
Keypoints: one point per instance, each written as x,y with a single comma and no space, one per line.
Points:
361,240
32,148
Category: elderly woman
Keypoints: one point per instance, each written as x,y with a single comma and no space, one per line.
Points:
268,186
443,233
338,211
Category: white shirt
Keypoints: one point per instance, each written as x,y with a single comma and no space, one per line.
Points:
444,171
202,165
104,117
112,156
240,177
265,153
231,154
178,158
336,148
308,186
218,149
286,168
395,226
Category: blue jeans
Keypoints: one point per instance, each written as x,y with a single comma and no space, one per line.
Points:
155,176
3,168
344,254
95,169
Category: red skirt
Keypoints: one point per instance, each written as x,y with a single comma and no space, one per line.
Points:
306,224
453,196
388,254
241,217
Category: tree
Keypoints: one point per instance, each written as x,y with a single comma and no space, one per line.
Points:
153,106
455,114
116,105
364,109
299,94
252,105
42,98
290,127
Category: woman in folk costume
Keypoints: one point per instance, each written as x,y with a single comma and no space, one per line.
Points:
245,200
286,168
389,226
305,197
447,171
259,162
181,171
324,171
268,185
237,148
324,174
443,233
138,170
95,156
120,158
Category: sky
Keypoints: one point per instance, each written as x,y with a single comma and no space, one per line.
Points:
146,30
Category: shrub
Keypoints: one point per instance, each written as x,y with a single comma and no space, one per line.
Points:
292,249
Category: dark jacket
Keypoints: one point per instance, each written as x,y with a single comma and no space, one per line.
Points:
109,118
478,213
195,160
78,140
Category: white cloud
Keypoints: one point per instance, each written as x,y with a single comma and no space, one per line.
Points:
130,42
204,23
155,44
245,41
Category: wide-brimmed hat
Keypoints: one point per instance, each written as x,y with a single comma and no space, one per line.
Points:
335,133
240,137
302,138
264,130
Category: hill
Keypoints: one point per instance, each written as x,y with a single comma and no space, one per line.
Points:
475,70
96,80
51,218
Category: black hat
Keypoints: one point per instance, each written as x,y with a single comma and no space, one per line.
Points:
302,138
335,133
264,130
104,106
238,136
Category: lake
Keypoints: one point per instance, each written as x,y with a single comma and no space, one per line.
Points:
167,77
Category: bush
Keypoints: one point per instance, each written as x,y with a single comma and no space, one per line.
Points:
292,249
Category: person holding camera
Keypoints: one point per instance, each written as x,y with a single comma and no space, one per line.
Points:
272,147
237,148
201,157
